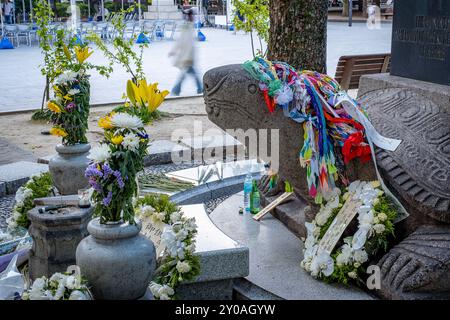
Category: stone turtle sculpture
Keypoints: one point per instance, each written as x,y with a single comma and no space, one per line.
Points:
418,173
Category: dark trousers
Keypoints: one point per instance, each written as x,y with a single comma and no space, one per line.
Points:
189,71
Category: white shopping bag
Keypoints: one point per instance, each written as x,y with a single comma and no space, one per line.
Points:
11,281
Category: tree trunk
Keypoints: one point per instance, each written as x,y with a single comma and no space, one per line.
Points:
298,33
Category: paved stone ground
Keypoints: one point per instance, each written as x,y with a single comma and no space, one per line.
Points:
6,205
11,153
22,83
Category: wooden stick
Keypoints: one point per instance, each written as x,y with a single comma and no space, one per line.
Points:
272,205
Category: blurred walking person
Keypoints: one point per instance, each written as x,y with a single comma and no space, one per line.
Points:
184,53
8,11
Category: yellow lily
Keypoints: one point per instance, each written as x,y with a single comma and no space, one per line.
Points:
82,53
155,97
53,107
146,95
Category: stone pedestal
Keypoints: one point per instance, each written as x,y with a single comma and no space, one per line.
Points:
55,239
163,10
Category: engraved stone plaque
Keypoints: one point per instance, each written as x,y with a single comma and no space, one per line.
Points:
421,40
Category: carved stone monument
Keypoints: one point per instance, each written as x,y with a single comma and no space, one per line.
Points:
418,172
421,40
417,112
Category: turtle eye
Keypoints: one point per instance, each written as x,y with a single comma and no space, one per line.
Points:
252,88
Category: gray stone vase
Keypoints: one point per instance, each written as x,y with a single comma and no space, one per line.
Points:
116,260
67,168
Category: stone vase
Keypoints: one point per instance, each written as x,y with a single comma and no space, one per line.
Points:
67,168
116,260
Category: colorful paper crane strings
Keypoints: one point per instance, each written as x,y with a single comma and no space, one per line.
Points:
332,137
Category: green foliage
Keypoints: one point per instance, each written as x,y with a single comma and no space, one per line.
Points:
38,115
43,14
75,122
381,241
122,49
255,14
330,220
160,202
40,186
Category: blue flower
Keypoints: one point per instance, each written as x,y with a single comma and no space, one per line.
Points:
106,201
92,171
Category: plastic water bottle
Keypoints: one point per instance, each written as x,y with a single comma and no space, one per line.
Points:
248,184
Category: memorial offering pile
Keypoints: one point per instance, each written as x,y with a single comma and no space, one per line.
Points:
332,134
70,105
375,215
115,164
178,262
60,286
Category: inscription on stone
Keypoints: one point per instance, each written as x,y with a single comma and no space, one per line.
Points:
421,40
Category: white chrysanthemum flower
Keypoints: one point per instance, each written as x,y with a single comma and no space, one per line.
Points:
100,153
127,121
382,216
73,92
131,142
190,248
352,274
190,225
175,217
78,295
66,77
183,267
360,256
379,228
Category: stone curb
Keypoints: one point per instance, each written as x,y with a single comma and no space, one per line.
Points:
95,105
14,175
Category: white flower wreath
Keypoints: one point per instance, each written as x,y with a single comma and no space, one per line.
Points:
375,224
178,262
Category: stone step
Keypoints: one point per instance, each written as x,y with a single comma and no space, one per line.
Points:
14,175
275,256
246,290
163,2
161,8
163,16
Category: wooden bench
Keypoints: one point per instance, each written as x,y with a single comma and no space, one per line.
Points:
351,68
